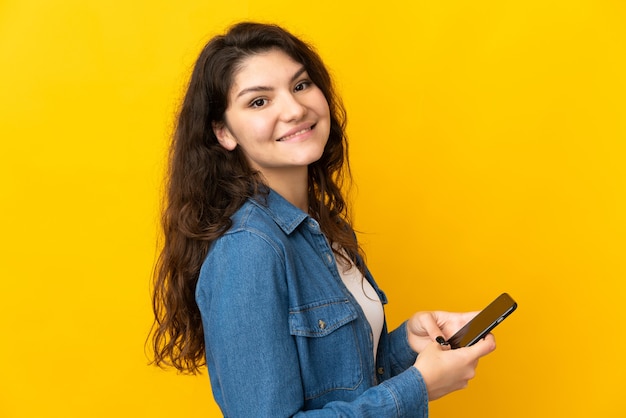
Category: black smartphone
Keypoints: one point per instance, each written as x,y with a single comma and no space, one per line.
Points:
484,322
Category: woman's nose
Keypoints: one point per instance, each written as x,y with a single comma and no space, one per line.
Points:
292,108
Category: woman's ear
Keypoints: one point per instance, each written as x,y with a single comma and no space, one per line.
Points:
224,136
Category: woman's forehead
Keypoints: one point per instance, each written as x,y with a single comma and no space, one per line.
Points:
263,69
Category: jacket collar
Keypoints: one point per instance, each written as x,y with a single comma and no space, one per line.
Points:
286,215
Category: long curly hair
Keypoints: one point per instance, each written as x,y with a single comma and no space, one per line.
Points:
206,184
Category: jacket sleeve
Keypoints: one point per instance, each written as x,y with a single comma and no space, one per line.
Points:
401,355
252,359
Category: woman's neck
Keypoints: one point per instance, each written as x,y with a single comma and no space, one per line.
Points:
293,186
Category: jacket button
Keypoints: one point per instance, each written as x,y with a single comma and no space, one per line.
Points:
321,324
380,371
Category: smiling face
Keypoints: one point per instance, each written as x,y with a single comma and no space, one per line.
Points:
276,115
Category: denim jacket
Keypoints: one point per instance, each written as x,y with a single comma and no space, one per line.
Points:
284,337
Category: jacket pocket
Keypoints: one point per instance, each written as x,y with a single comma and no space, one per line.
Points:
328,346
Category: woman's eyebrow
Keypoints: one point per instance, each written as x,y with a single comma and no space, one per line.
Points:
297,74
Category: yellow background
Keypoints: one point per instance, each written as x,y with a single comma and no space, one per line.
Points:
487,143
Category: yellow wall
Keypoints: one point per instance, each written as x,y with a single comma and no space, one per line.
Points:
488,141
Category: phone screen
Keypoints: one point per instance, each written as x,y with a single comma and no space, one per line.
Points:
484,322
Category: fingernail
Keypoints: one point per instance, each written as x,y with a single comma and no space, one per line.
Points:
441,340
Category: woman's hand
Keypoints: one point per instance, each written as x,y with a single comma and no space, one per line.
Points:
445,370
424,327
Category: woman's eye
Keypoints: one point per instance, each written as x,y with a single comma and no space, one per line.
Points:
258,103
302,85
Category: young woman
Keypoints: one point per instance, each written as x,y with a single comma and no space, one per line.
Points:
261,277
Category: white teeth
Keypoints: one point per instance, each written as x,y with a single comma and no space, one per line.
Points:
284,138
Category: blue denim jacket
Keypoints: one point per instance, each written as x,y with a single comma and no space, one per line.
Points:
284,337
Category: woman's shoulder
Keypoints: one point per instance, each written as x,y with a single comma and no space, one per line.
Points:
254,242
252,217
256,226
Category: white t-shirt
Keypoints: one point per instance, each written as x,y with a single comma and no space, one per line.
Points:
366,296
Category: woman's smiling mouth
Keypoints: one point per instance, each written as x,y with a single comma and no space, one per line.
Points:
295,134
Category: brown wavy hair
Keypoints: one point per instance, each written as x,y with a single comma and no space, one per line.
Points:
206,184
